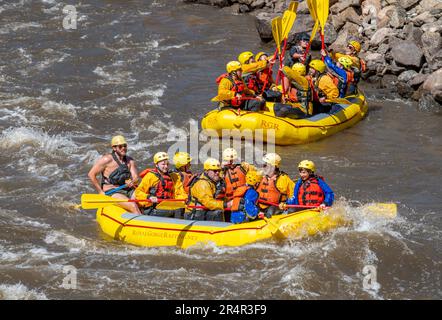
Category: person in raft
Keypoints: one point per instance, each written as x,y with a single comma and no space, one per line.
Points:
202,194
182,164
275,187
234,93
245,199
118,171
159,184
310,189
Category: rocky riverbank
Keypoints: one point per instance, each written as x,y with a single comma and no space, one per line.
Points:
401,39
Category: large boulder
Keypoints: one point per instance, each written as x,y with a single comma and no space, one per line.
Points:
431,44
263,25
408,54
435,26
406,76
384,16
418,80
428,103
380,36
347,33
424,17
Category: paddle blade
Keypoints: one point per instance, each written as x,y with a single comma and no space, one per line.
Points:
314,31
288,19
293,6
276,32
170,205
388,210
95,201
322,7
312,8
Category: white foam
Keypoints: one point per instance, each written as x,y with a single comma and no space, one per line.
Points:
119,77
20,292
17,137
17,26
178,46
153,95
52,106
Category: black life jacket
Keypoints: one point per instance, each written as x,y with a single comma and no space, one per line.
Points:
119,176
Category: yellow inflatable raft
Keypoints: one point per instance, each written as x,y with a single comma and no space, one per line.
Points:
153,231
286,131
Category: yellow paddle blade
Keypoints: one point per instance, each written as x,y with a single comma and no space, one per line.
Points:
276,31
388,210
314,30
171,205
322,7
273,226
95,201
312,8
288,19
293,6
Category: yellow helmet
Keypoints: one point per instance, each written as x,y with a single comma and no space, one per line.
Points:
318,65
299,68
160,156
346,62
230,154
180,159
307,164
212,164
273,159
260,54
253,177
245,56
117,140
233,66
355,44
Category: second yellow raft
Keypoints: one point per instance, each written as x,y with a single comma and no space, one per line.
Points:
264,125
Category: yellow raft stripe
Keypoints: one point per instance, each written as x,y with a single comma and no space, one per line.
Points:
180,230
294,125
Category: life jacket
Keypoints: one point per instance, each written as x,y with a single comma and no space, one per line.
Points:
300,95
313,88
251,80
264,79
341,84
238,87
119,176
269,192
164,188
234,178
186,179
310,193
238,198
191,198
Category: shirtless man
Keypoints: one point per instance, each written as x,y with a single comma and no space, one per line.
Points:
117,169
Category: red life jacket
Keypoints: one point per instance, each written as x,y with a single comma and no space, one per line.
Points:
269,192
164,188
238,198
234,178
312,86
252,82
238,87
310,193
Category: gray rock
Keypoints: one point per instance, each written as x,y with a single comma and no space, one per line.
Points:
404,90
393,68
432,26
243,8
380,36
435,62
342,5
424,17
433,84
406,76
263,26
389,81
347,33
397,17
303,8
258,4
406,4
429,104
429,4
418,80
383,48
384,16
408,54
431,44
348,14
218,3
245,2
413,34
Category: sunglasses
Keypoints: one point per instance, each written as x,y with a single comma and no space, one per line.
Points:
121,146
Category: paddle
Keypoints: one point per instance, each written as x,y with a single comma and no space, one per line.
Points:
322,7
95,201
288,19
112,191
293,6
312,8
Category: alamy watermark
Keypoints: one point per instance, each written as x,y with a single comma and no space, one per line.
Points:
210,143
70,279
70,20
